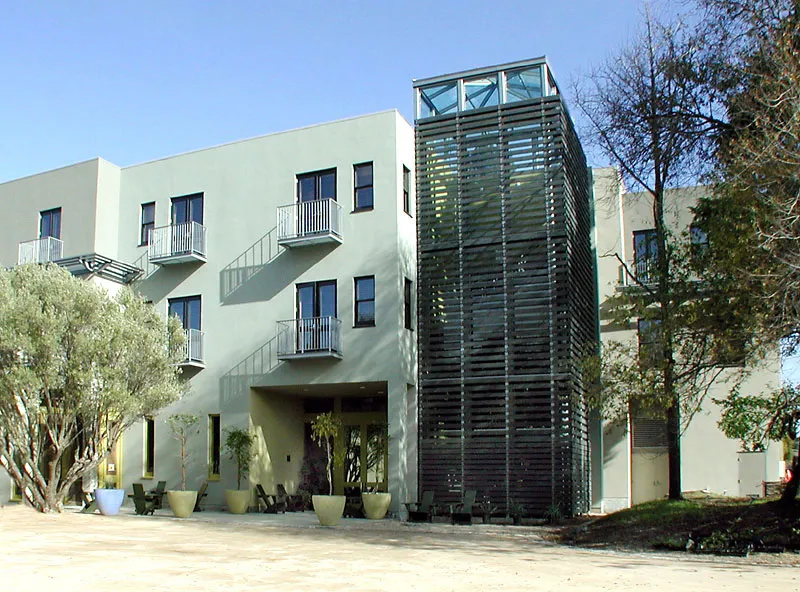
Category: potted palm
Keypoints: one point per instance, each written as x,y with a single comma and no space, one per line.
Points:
182,502
239,445
376,503
328,508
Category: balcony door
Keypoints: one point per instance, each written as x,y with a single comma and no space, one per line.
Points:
187,310
50,223
316,304
312,188
645,250
188,208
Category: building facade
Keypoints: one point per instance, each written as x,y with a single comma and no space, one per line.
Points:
290,259
507,302
630,461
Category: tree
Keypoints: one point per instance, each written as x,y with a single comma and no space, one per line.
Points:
647,111
324,428
77,368
239,444
181,425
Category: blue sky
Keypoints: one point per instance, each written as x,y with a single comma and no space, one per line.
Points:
135,81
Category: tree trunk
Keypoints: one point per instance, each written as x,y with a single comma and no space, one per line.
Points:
674,449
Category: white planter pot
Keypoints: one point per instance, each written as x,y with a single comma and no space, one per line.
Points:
182,502
328,508
376,504
238,500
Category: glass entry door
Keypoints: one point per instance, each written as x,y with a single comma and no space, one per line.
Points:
365,458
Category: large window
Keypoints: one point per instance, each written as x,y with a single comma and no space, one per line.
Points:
407,309
50,223
149,468
406,190
214,446
317,185
188,310
651,350
364,301
316,306
148,222
645,249
187,208
363,199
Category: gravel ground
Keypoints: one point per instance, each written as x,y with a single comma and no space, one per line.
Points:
215,551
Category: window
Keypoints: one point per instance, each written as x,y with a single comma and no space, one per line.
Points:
50,223
645,249
650,346
699,241
409,321
365,301
214,446
316,306
649,432
187,310
188,208
148,222
363,184
406,193
316,186
149,448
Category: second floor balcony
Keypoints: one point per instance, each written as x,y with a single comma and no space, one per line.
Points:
309,223
178,243
644,272
194,355
40,250
314,337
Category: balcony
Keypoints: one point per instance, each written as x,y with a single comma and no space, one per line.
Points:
315,337
643,269
178,243
310,223
193,346
41,250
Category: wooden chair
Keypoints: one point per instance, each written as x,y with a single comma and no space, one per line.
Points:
89,504
292,503
142,503
158,494
200,495
423,510
273,505
462,513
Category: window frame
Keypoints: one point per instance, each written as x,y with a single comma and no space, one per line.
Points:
408,309
407,190
317,176
357,301
185,320
214,446
190,200
49,214
149,448
144,236
357,187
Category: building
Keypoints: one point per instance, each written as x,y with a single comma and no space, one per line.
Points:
507,300
290,259
632,458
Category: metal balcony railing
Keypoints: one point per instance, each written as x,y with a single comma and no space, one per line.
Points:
310,222
644,270
193,346
178,243
310,337
41,250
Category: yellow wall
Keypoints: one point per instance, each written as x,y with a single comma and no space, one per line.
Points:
277,422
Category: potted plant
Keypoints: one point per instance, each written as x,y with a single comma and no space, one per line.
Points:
328,508
182,502
239,445
487,509
516,510
109,498
376,502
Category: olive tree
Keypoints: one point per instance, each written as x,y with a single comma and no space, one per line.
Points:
77,368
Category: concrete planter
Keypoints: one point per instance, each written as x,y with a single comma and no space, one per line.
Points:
238,500
182,502
109,501
329,508
376,504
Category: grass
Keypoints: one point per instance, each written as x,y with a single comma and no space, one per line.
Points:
706,524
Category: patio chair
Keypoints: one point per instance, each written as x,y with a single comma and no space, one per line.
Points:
142,503
89,504
423,510
292,503
273,505
200,495
158,494
462,513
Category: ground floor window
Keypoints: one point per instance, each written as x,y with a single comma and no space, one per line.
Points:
149,448
214,446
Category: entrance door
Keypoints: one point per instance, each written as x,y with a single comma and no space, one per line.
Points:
366,455
316,305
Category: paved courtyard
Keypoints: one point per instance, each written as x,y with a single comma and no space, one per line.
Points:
217,551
